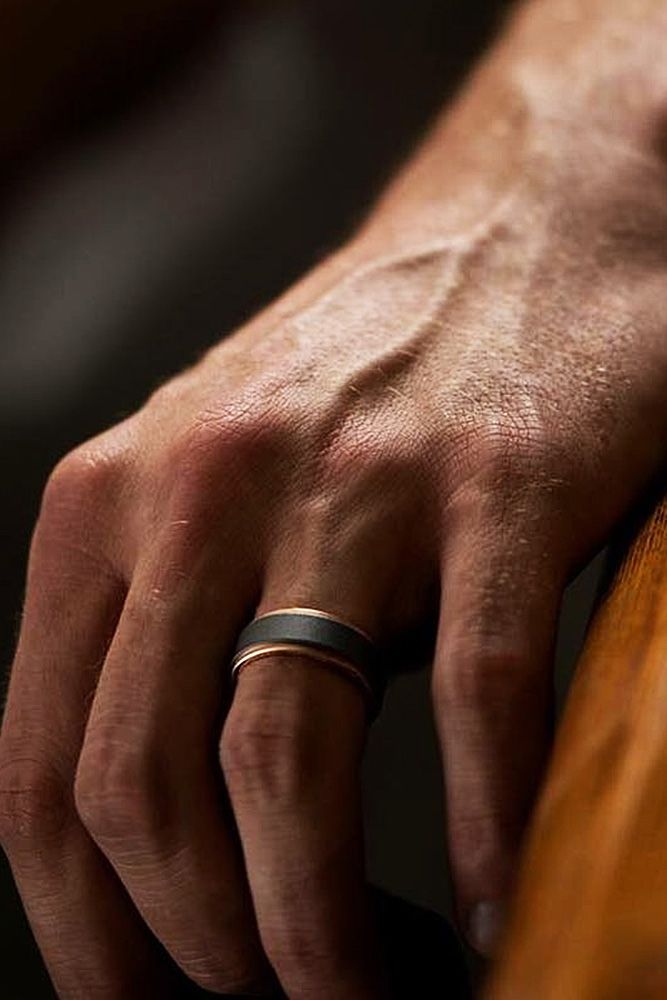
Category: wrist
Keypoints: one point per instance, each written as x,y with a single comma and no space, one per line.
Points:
589,62
580,119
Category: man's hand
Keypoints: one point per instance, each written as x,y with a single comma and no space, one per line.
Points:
439,424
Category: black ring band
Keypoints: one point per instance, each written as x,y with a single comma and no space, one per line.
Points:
320,631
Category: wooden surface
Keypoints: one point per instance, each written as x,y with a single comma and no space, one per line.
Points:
590,918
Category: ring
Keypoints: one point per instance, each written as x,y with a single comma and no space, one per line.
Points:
320,636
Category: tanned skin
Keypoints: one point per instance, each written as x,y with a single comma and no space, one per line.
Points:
434,428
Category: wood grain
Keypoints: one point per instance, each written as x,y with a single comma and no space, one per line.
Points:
590,917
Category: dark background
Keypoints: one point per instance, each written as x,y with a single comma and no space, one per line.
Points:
148,232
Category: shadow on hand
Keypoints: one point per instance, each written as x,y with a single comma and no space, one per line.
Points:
422,952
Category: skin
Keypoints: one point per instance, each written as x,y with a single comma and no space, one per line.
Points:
434,429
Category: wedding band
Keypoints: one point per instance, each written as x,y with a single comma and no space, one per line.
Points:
318,635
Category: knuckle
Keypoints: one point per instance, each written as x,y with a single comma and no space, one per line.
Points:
368,449
218,447
307,954
292,951
351,453
482,675
503,447
75,488
363,461
231,974
35,803
115,797
483,840
263,757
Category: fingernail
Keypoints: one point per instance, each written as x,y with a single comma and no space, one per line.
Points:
485,925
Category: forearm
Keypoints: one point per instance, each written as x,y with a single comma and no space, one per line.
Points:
565,77
557,139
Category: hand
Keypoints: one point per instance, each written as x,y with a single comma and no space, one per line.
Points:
430,428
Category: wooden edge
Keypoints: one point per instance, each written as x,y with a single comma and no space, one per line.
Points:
589,920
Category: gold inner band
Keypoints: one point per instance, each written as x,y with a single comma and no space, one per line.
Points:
263,649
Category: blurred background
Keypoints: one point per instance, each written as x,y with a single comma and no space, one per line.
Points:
179,179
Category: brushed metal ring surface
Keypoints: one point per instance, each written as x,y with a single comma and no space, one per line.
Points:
319,635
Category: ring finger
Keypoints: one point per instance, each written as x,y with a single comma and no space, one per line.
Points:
291,752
